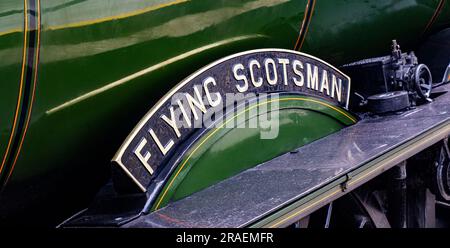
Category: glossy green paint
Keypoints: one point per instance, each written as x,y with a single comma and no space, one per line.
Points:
89,95
442,20
353,29
223,152
11,50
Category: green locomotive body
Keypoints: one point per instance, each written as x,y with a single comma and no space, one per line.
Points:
78,75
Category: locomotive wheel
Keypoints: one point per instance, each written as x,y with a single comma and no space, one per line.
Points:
443,171
358,209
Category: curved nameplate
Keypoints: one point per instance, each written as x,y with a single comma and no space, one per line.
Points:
180,112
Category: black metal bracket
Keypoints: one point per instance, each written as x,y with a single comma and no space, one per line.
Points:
344,185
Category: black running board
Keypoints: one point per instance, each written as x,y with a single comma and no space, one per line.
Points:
281,191
287,188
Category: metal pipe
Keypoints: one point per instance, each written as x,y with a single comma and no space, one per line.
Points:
399,205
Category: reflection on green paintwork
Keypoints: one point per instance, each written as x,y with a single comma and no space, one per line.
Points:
91,91
88,46
11,51
341,31
149,70
224,152
11,17
76,13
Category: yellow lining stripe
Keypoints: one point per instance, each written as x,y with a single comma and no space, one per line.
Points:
330,106
306,208
304,29
326,196
116,17
104,19
38,29
221,126
21,85
435,15
16,30
429,138
309,206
